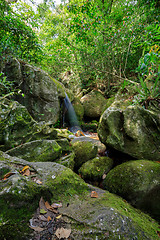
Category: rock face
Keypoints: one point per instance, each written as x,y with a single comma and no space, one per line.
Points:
139,182
94,104
133,130
104,217
95,169
18,127
38,151
84,151
41,92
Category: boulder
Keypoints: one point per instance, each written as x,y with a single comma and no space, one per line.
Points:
18,127
41,92
37,151
94,104
132,130
138,182
103,217
95,169
67,160
78,108
84,151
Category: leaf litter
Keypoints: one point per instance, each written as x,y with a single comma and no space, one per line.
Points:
48,223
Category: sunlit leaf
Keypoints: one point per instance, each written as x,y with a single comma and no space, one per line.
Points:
62,233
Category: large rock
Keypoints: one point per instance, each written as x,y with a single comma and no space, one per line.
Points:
137,181
104,217
84,151
41,92
94,104
94,169
37,151
18,127
133,130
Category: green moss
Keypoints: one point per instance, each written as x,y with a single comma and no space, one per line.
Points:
60,88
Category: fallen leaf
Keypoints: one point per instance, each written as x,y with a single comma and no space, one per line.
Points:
49,218
62,233
27,172
158,232
38,182
25,168
37,229
7,175
42,204
94,194
41,217
48,206
58,217
42,211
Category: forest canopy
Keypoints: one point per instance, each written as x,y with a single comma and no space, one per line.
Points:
102,41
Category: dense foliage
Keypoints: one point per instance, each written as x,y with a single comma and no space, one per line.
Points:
104,42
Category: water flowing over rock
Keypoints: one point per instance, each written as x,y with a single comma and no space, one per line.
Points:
41,93
133,130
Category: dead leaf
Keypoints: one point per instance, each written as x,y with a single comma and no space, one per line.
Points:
158,232
7,175
58,217
27,172
48,206
94,194
24,169
49,218
42,204
37,229
42,218
62,233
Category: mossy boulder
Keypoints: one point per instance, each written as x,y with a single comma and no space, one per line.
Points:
94,169
41,93
37,151
67,160
17,126
106,216
84,151
137,181
78,108
133,130
94,104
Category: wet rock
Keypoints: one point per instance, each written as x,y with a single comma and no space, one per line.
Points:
95,169
78,108
104,217
94,104
67,160
37,151
84,151
42,93
137,181
133,130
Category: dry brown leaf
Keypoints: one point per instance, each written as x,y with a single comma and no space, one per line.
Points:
37,229
42,204
94,194
27,172
48,206
62,233
42,218
49,218
7,175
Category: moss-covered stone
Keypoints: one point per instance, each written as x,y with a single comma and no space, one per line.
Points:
137,181
67,160
37,151
94,169
106,216
78,107
94,104
133,130
84,151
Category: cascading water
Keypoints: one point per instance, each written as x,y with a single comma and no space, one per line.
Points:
70,116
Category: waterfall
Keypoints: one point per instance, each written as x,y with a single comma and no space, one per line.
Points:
70,116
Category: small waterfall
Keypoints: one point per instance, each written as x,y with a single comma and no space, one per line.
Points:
69,116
